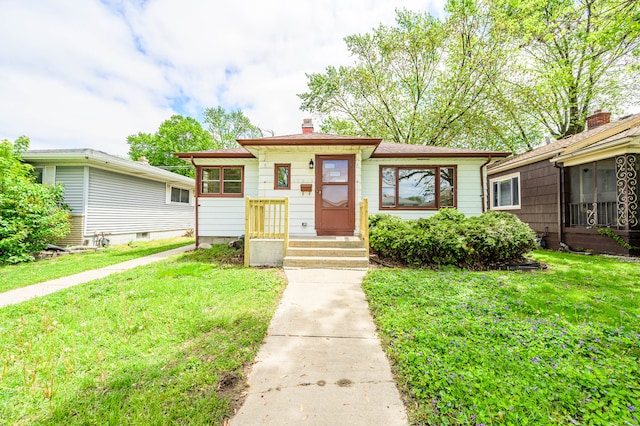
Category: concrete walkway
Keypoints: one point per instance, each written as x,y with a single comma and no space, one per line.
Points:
19,295
321,362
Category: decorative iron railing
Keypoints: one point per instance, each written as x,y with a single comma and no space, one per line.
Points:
265,218
594,214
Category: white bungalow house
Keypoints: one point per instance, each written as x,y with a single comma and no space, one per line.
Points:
122,199
279,190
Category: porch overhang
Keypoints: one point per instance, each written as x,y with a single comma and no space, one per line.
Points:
599,152
312,142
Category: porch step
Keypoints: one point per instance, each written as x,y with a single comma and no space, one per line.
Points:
327,252
331,242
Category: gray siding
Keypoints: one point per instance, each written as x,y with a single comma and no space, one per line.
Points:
73,179
122,204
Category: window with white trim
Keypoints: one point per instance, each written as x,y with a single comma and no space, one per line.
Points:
180,195
38,173
505,192
417,187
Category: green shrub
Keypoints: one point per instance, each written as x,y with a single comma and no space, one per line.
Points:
450,238
31,214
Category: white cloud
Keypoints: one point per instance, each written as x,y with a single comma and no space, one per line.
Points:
90,73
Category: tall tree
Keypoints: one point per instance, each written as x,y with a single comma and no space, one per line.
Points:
177,134
422,81
225,127
574,56
32,215
494,74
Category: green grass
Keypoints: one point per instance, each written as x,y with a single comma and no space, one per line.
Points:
560,346
23,274
161,344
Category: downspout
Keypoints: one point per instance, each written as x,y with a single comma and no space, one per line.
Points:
560,201
482,184
196,192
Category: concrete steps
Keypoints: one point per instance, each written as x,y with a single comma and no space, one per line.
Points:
326,252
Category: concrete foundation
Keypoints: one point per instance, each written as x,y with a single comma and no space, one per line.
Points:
266,252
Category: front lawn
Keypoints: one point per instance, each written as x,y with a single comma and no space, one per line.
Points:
27,273
165,343
560,346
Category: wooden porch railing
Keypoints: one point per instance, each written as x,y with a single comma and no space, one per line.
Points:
265,218
364,223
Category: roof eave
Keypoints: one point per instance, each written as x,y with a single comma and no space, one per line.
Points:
111,163
499,168
441,155
205,154
590,150
309,142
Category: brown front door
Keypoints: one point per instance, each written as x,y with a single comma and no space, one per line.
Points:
335,194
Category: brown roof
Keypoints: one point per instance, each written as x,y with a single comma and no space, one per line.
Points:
309,139
396,150
557,147
217,153
383,150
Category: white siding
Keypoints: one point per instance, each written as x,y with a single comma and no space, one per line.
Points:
72,177
468,186
301,204
122,204
224,216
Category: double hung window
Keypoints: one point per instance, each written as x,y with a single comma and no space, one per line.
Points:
505,192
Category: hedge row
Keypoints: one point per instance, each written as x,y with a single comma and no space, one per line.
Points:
450,238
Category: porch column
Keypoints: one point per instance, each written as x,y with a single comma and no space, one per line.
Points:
627,194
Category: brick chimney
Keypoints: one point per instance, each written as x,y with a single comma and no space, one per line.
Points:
307,125
598,119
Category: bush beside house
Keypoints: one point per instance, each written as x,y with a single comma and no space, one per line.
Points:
31,214
451,238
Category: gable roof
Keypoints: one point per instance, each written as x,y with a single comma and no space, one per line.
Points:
589,139
102,160
310,139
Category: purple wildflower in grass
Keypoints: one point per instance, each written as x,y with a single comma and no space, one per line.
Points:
573,422
631,407
473,417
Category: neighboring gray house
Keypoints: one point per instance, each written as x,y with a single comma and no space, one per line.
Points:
127,199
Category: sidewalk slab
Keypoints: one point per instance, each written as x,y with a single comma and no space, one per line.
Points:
321,362
23,294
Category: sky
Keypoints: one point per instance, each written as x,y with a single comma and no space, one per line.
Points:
88,73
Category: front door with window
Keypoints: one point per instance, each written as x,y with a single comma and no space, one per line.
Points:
335,194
